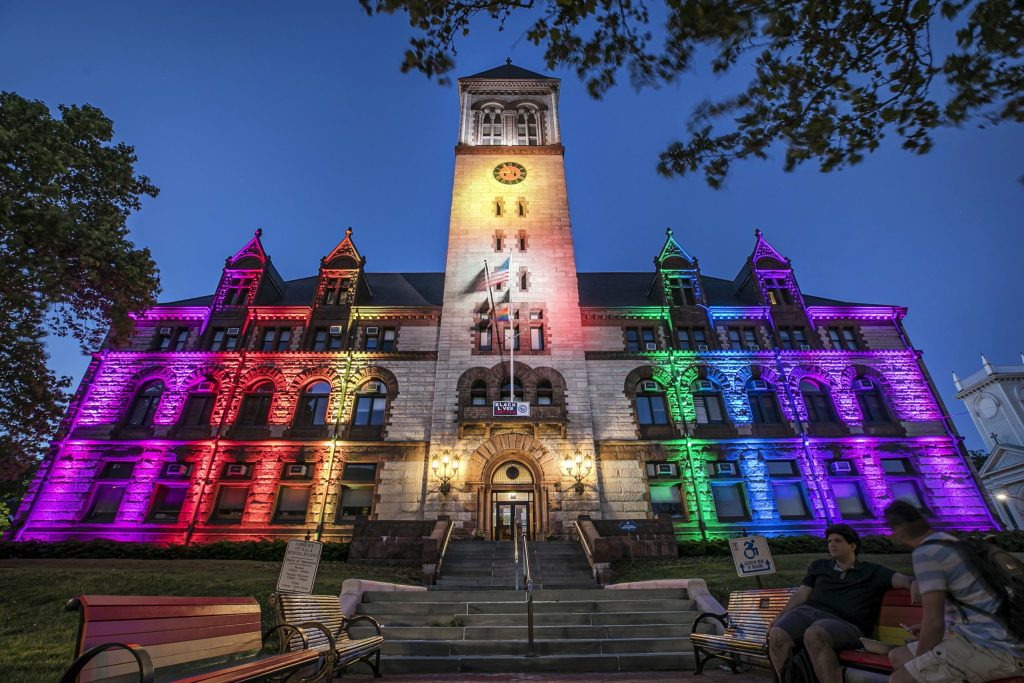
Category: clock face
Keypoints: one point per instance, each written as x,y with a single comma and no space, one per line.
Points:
509,173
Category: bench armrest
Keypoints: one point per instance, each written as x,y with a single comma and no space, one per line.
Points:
299,630
362,617
723,619
136,650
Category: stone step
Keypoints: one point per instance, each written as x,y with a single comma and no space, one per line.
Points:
591,663
492,633
539,619
586,606
449,648
563,595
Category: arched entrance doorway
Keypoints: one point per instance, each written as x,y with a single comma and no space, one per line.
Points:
513,500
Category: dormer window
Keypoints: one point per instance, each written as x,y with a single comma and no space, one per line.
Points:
776,291
334,291
491,126
682,291
527,128
236,292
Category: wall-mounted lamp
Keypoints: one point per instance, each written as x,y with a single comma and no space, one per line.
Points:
444,469
578,467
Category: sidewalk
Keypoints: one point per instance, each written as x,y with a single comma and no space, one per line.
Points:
712,675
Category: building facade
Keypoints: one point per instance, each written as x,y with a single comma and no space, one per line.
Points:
280,409
994,397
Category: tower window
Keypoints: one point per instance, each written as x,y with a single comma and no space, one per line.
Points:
491,127
522,240
499,241
521,207
527,128
499,207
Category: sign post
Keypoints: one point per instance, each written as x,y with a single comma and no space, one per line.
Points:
298,571
751,556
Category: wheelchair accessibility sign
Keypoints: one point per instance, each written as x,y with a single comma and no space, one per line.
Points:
751,556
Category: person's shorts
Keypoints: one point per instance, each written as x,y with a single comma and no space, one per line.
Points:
796,621
955,659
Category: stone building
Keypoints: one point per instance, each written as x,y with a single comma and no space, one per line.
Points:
994,397
281,408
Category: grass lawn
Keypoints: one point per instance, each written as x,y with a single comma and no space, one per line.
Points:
720,573
37,637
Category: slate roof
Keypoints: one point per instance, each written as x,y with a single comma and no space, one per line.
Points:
613,290
510,71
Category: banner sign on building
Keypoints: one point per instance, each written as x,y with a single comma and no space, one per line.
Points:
751,556
510,409
298,571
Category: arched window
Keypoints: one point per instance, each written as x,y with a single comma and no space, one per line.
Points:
312,408
371,402
517,391
144,406
707,402
764,406
255,408
869,398
491,126
545,393
527,129
199,404
478,393
817,402
650,403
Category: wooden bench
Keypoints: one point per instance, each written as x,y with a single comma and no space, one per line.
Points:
326,610
143,639
865,667
744,627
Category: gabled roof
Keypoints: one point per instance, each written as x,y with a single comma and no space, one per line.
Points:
672,248
763,250
510,71
252,249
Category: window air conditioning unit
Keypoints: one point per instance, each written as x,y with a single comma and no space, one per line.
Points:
336,329
705,385
238,470
863,384
725,468
650,346
176,469
753,347
297,470
841,467
805,347
648,385
165,330
232,331
666,469
372,331
206,387
702,348
759,385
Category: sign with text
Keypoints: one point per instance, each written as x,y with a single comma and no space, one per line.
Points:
627,526
298,571
751,556
510,409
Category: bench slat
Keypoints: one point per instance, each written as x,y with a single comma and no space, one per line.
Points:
166,655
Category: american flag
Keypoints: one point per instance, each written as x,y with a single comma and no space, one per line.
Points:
500,274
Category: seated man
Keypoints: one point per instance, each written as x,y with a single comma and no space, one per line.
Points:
978,647
837,603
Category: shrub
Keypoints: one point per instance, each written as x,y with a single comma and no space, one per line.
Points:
264,551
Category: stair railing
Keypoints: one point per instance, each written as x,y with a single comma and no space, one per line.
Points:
529,592
443,550
515,553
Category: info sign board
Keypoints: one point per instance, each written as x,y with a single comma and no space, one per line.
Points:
751,556
298,571
510,409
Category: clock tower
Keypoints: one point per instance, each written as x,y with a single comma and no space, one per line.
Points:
509,201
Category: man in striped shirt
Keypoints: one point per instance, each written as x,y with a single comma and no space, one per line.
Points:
974,647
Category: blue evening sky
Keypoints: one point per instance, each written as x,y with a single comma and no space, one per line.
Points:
294,117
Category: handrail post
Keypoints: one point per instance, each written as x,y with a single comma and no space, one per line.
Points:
529,596
515,553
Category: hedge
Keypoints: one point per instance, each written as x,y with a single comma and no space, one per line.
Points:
264,551
872,545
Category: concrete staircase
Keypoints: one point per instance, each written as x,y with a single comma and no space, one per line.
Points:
485,631
472,565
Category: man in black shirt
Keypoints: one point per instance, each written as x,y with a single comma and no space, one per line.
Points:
837,603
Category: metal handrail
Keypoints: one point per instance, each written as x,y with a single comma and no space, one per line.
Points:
529,595
583,540
444,548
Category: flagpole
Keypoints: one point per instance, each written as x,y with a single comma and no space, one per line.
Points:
492,321
512,346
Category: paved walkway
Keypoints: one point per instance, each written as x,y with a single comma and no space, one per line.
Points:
710,676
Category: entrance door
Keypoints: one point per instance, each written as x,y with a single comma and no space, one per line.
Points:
506,515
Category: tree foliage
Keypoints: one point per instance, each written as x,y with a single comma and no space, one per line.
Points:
68,265
830,78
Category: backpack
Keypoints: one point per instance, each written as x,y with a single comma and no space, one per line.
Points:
798,668
1002,576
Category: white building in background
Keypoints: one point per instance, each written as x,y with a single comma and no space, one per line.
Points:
994,396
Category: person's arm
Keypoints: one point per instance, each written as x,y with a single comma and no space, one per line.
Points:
908,582
933,621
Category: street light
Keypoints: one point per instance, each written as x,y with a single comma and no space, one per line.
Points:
578,467
444,469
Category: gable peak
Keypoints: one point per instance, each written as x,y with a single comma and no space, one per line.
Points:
252,255
672,253
345,255
765,256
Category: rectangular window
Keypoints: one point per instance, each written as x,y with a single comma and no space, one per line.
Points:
730,502
387,342
359,471
515,337
167,503
276,339
650,409
378,338
537,338
849,499
792,338
221,340
742,338
632,339
170,339
486,339
790,499
237,291
230,504
777,291
782,468
292,502
682,291
785,339
896,466
105,502
334,291
907,490
116,469
197,411
708,408
370,411
666,500
843,339
327,338
355,502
